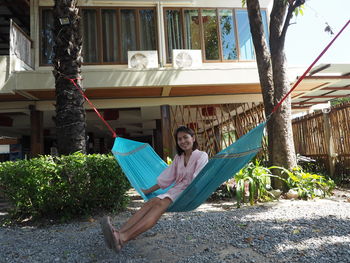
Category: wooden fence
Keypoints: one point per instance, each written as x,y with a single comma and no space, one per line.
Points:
217,126
325,136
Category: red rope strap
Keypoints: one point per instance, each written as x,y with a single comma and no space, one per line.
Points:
309,68
93,106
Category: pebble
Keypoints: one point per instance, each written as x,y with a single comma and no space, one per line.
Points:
284,231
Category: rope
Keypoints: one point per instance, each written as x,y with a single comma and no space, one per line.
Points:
309,68
92,106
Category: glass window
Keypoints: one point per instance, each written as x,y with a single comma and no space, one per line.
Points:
47,40
147,30
174,31
128,33
246,48
90,36
192,29
110,36
210,32
228,38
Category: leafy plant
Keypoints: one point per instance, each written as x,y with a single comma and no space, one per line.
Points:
308,185
256,179
64,187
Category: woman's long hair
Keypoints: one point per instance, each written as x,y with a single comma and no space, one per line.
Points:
188,131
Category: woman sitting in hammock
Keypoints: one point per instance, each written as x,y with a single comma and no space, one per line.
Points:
186,165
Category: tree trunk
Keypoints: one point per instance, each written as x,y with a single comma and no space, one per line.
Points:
264,66
274,82
70,112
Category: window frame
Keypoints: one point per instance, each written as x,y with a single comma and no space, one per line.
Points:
217,9
100,34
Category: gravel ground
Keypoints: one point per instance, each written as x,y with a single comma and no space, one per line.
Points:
282,231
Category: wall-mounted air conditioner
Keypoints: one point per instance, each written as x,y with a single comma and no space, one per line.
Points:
143,59
187,58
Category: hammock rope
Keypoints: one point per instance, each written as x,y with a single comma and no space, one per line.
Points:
142,165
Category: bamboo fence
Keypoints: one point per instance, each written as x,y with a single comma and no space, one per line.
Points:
217,126
311,139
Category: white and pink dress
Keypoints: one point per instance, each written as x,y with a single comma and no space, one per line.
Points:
180,174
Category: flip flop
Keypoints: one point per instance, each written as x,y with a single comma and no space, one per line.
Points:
107,231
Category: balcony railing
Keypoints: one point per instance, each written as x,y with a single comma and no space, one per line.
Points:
21,46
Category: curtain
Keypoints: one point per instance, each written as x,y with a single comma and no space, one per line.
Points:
174,32
90,45
128,33
47,36
110,36
147,30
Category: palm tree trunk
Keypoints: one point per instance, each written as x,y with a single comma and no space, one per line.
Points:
70,112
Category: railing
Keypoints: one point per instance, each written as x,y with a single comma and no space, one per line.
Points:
20,45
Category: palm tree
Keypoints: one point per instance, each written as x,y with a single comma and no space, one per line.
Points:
70,112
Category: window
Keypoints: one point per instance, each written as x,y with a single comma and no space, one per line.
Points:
46,39
174,31
245,38
108,33
192,29
228,38
221,34
90,37
210,32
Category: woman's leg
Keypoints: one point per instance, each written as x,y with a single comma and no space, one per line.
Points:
148,220
138,215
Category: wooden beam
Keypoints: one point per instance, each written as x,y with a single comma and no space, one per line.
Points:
324,96
327,77
337,88
309,102
319,69
166,91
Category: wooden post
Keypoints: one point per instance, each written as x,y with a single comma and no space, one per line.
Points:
166,131
158,141
36,132
329,143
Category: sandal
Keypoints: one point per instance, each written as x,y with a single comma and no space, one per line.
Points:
107,231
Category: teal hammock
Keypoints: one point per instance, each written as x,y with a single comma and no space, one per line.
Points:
142,166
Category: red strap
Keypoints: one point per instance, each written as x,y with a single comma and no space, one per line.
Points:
93,106
309,68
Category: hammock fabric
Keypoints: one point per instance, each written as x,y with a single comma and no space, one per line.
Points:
142,166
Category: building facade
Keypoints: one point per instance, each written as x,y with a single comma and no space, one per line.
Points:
142,60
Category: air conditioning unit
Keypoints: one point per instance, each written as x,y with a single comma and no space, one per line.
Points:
143,59
187,58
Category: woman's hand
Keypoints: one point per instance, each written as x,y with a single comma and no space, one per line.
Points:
146,191
150,190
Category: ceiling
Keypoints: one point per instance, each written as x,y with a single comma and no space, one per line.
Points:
325,82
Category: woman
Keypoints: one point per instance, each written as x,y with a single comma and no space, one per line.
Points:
186,165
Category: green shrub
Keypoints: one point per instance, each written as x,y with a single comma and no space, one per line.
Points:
308,185
64,187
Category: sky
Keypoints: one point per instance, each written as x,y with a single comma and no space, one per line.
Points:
306,39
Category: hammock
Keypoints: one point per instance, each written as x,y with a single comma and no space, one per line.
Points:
142,166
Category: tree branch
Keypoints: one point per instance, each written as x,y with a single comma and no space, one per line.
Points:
289,16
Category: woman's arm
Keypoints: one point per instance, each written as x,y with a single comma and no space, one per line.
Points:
151,190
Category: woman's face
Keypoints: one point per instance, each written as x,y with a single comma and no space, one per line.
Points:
185,141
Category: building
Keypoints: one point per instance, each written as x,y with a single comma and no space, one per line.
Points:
193,64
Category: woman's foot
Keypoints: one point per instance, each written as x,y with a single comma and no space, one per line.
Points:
111,236
118,243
